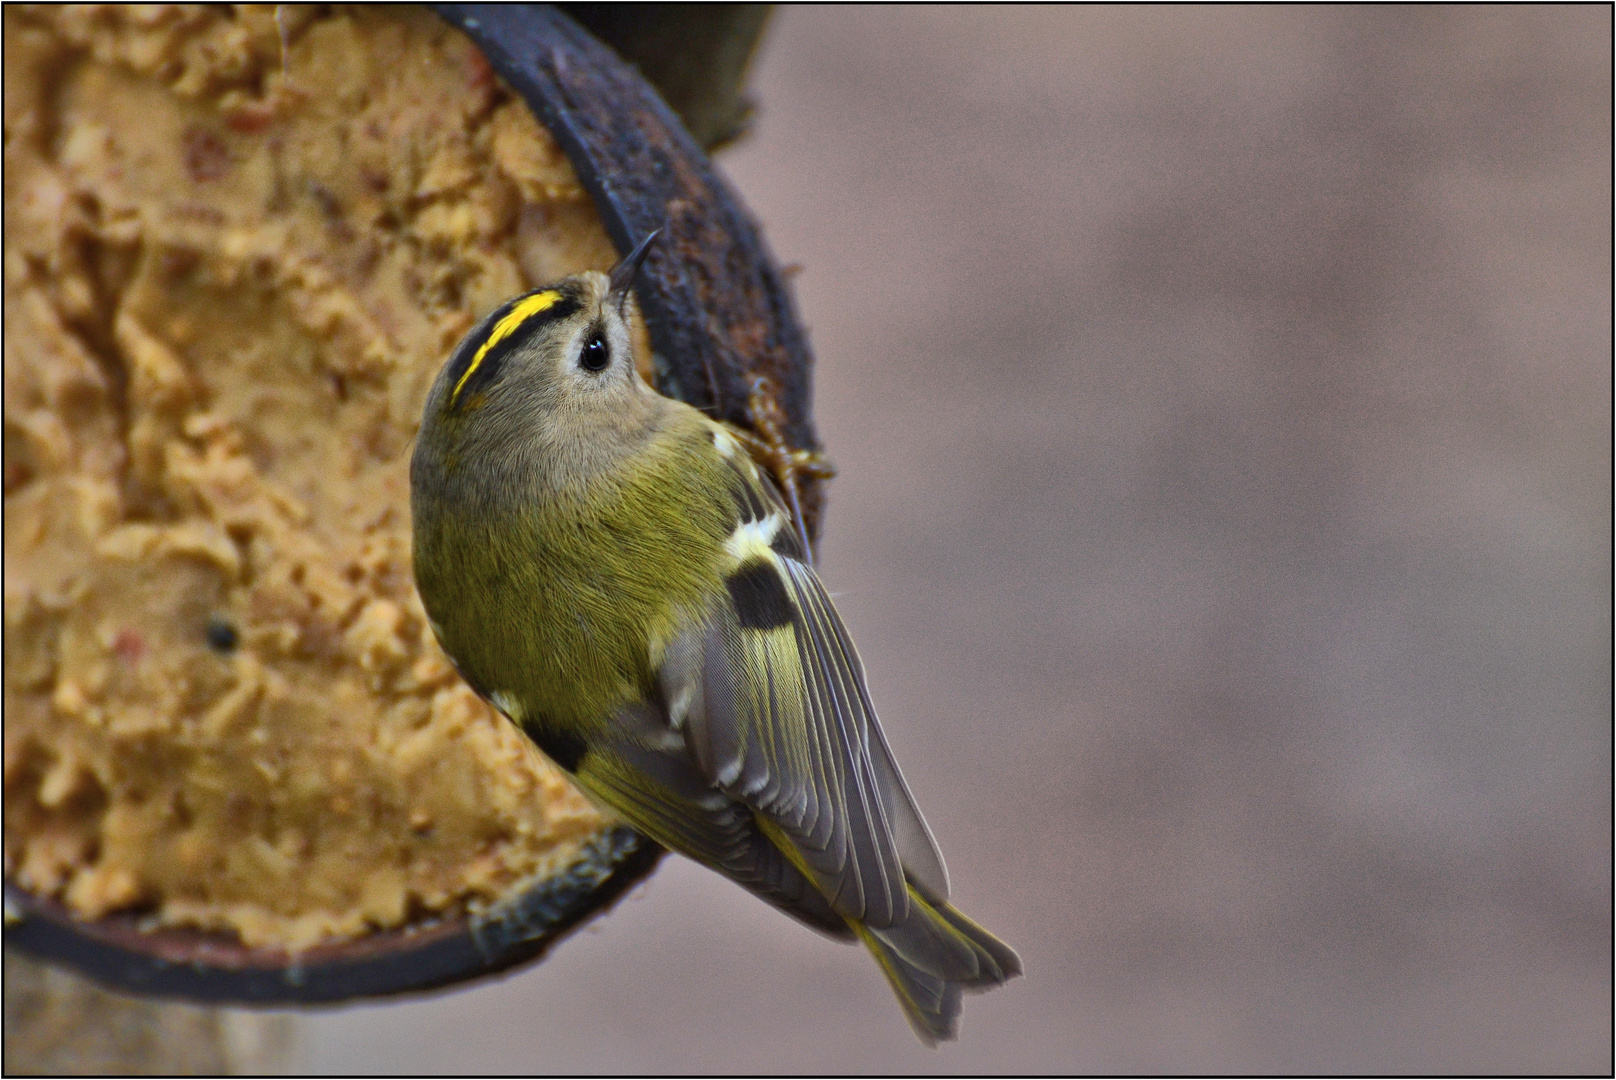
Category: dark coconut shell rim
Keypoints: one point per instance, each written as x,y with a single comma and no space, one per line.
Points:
725,338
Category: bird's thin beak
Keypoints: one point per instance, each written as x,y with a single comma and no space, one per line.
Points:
623,274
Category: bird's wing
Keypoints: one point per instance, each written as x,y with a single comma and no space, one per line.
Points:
771,699
661,794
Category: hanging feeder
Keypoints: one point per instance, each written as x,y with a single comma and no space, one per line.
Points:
178,409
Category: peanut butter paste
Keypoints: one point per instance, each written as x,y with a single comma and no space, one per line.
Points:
238,245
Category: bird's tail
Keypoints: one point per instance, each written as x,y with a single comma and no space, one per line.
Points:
930,957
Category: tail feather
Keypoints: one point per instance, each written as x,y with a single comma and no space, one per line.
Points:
930,957
1000,963
932,1005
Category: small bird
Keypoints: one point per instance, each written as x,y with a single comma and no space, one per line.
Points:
613,572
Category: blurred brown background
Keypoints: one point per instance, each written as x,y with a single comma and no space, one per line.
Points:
1223,405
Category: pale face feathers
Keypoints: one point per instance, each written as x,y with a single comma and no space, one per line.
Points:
547,378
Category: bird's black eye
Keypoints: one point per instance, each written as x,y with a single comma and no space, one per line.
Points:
596,353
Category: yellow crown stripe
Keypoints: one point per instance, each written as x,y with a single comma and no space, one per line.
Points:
525,309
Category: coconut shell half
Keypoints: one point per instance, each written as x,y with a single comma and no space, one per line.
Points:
724,337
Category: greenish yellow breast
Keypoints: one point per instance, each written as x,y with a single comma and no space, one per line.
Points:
559,610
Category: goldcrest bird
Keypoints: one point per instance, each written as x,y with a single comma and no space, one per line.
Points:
613,572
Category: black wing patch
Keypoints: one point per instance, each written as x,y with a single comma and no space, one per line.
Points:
562,747
760,598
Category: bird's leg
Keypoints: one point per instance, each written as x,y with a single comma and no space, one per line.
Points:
767,445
